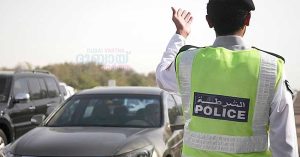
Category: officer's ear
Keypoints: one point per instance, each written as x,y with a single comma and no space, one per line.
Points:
209,21
247,19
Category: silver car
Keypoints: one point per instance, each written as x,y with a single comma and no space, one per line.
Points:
107,122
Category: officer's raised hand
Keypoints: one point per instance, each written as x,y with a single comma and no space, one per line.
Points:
182,20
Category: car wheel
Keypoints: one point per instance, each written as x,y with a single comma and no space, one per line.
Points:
3,139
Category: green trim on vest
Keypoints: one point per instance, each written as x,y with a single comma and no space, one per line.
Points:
280,64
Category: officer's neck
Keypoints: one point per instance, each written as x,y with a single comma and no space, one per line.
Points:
240,32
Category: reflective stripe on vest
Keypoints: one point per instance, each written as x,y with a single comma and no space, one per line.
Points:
265,93
222,143
185,80
231,144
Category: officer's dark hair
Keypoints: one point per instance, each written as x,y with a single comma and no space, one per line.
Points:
227,16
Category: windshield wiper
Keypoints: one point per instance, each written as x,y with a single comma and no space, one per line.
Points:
83,125
100,125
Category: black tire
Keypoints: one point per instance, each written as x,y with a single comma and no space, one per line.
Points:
3,138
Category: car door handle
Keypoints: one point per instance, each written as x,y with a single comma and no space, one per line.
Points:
32,108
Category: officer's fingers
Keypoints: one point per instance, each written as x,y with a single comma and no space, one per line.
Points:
173,11
179,12
184,13
187,17
190,20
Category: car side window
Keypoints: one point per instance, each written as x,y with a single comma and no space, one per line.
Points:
172,109
69,112
35,89
43,88
53,90
63,90
20,86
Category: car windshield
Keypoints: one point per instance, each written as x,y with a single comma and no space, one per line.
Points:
4,88
109,111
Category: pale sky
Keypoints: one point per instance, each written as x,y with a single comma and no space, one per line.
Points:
54,31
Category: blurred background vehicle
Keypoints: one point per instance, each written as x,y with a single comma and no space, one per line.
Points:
66,90
24,94
110,121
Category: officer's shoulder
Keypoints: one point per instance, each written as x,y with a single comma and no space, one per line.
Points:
270,53
187,48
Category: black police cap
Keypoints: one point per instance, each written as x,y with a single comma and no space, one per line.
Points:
247,3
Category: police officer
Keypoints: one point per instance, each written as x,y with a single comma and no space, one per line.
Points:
236,98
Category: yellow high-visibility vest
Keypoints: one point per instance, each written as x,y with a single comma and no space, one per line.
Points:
227,98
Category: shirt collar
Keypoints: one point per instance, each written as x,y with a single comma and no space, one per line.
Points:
231,42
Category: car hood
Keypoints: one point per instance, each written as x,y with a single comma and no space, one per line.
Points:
80,141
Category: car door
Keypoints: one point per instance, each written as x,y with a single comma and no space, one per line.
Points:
38,95
21,112
53,94
176,140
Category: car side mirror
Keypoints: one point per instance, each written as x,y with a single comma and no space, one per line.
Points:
178,124
37,119
21,97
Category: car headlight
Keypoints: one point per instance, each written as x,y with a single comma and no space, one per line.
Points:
142,152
